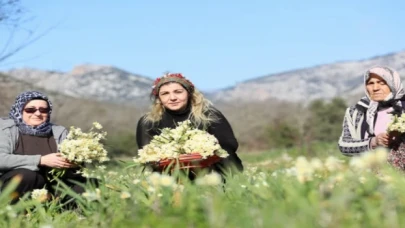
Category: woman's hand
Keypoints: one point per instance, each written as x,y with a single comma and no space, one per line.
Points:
382,139
55,160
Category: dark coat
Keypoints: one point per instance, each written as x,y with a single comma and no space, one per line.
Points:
221,129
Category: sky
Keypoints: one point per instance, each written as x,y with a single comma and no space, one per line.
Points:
214,43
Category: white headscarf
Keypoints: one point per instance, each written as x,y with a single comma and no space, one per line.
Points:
393,80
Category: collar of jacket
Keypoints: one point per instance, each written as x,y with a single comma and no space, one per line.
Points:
6,123
363,104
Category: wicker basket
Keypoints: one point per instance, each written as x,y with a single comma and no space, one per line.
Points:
188,161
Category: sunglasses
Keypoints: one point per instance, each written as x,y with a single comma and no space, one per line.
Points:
34,110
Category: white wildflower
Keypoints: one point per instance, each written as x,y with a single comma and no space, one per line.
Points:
210,179
10,212
304,169
166,180
151,189
40,195
97,125
125,195
358,163
316,164
178,187
92,195
154,179
369,160
333,164
286,158
46,226
385,178
112,173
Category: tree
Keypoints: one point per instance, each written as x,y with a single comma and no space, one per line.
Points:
283,133
325,120
12,19
10,11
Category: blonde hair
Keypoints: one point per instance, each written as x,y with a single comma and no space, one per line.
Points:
202,111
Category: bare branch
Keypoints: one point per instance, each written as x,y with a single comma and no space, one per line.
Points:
30,40
8,43
10,11
11,16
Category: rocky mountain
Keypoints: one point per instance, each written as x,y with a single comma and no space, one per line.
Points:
105,83
111,84
343,79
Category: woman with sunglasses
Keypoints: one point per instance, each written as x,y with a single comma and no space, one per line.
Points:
174,99
29,145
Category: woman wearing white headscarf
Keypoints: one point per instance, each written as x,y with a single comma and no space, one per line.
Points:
365,124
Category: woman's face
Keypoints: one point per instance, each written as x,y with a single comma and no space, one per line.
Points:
173,96
35,112
377,88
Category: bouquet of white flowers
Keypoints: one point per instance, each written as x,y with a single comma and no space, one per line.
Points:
80,148
396,137
184,144
397,124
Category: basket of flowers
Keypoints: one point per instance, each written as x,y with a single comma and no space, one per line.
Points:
183,147
186,161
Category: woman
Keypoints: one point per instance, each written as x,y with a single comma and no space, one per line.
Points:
174,100
29,145
365,124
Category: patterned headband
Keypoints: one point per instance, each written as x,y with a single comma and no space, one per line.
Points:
175,77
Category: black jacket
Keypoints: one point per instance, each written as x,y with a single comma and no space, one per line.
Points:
221,129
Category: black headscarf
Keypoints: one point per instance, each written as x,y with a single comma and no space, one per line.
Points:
16,113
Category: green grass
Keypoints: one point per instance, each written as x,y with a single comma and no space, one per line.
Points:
275,190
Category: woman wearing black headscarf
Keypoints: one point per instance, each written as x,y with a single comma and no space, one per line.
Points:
29,144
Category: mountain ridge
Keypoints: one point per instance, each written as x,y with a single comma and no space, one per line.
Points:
112,84
325,81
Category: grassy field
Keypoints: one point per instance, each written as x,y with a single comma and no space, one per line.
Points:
279,188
